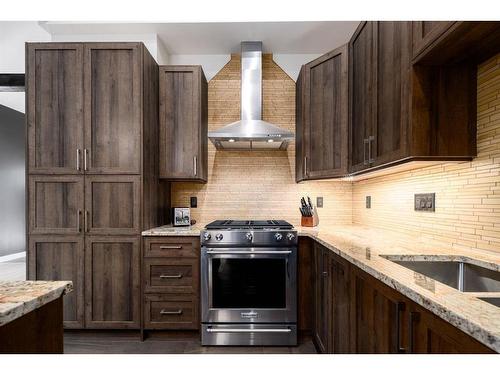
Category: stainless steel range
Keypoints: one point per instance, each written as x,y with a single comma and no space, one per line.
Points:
249,283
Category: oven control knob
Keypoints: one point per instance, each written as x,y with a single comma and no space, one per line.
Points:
206,236
249,236
219,236
278,236
290,236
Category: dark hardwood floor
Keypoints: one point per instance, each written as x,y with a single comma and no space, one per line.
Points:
106,342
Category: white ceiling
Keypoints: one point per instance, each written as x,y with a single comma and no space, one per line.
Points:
224,38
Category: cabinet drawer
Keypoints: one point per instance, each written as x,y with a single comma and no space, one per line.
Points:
172,247
171,275
171,311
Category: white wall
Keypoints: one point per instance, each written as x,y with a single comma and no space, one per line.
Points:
211,64
291,63
13,35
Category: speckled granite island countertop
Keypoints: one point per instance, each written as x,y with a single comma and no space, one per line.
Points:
18,298
371,248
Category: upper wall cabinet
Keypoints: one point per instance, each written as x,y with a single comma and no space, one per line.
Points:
54,78
425,32
112,107
321,113
183,123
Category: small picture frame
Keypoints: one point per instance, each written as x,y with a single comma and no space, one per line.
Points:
182,217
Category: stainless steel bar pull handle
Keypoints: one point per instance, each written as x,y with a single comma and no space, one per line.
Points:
400,307
244,330
85,154
167,312
195,165
85,221
78,214
170,247
178,276
365,142
305,165
77,159
371,138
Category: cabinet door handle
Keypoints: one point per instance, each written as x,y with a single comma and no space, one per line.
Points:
85,154
85,221
78,214
365,142
170,247
305,165
195,165
400,307
178,276
325,274
77,159
414,317
167,312
371,138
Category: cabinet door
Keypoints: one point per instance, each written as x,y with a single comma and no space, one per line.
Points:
113,94
429,334
112,284
55,204
378,317
325,123
391,66
340,305
112,205
60,258
426,32
54,107
299,126
180,122
322,293
361,84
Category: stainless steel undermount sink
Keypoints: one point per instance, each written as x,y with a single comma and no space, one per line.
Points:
465,277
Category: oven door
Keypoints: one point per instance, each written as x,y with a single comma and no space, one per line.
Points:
249,285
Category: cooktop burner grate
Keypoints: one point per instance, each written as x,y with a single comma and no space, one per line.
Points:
249,224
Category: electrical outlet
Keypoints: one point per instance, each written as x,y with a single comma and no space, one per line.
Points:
319,201
193,202
425,202
368,201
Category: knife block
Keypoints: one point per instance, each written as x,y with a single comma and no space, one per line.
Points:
310,221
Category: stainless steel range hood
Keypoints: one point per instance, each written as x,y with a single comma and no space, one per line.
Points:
251,132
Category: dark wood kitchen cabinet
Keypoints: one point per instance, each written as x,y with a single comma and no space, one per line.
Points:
60,258
112,282
380,63
331,329
322,110
92,115
183,123
171,283
112,107
54,101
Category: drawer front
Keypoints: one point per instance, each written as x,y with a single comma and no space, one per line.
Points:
172,247
171,275
171,311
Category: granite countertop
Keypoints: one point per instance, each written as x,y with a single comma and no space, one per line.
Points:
18,298
371,248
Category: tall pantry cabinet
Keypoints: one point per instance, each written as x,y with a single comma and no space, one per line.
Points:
92,174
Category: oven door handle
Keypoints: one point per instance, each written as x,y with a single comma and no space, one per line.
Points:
248,252
245,330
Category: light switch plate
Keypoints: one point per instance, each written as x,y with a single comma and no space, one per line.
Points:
193,202
319,201
425,202
368,201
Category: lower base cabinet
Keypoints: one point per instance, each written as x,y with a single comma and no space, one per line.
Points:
356,313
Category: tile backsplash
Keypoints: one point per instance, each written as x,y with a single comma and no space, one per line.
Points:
258,184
